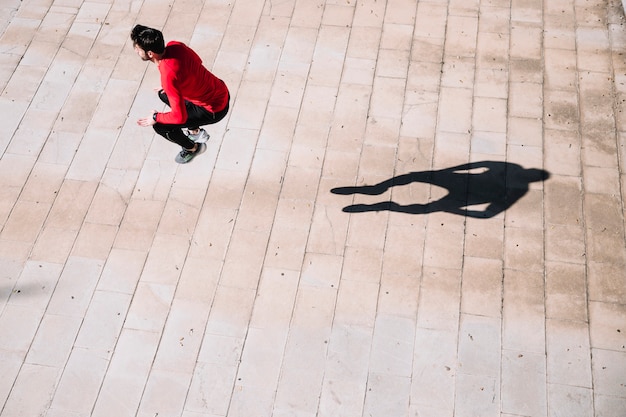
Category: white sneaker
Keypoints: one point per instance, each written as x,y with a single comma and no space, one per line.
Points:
201,137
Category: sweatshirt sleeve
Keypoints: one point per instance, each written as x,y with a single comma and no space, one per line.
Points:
178,111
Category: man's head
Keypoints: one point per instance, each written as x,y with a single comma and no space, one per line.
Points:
147,42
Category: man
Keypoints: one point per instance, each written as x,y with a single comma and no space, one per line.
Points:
195,96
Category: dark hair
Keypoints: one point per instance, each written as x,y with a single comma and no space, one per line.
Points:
148,39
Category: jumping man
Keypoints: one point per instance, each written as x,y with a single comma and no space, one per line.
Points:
195,96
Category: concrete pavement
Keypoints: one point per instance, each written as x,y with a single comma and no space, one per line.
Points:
332,254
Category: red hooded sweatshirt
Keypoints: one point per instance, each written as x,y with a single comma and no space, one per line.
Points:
183,77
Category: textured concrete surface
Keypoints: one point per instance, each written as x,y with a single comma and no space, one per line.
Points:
332,254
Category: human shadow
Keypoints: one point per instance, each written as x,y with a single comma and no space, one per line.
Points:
498,185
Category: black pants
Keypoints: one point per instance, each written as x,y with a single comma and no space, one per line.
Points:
196,116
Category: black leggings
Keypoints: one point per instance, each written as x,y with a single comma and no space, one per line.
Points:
196,116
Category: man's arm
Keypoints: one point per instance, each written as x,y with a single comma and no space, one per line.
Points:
178,112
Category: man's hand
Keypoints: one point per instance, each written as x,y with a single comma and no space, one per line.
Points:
147,121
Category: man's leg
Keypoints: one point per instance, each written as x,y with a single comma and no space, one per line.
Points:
198,116
175,134
194,142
